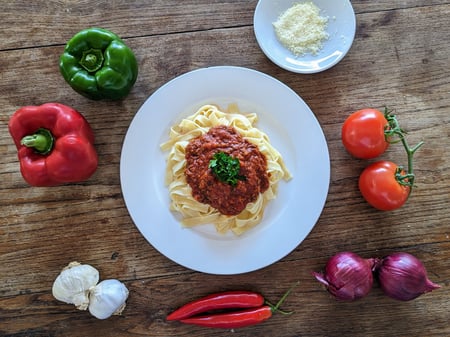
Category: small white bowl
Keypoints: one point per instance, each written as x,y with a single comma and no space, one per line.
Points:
341,28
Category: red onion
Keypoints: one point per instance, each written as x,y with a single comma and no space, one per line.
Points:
403,277
347,276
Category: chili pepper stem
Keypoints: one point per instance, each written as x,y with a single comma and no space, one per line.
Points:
276,307
272,307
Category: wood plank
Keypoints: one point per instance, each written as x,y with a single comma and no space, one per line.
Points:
47,23
153,298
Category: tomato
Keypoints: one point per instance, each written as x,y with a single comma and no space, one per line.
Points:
380,188
363,133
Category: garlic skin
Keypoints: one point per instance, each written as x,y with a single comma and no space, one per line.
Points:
107,298
73,284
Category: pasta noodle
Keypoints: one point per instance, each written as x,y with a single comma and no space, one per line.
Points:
196,213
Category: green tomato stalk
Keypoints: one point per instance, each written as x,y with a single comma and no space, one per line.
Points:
394,134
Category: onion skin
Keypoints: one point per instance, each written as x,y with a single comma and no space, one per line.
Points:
347,276
403,277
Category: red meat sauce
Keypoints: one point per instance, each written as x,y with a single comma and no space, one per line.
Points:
207,188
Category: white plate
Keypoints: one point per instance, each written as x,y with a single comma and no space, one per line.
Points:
292,129
341,29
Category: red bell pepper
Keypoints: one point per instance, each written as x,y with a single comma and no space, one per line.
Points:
55,144
233,319
223,300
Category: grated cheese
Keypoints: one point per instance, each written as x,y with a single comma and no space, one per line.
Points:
301,29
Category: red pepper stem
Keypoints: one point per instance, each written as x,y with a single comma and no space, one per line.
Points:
41,141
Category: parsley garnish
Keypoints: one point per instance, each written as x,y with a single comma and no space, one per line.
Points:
226,168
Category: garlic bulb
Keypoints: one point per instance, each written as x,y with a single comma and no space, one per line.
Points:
107,298
73,283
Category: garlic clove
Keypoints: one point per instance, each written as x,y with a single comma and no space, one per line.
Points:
107,298
73,283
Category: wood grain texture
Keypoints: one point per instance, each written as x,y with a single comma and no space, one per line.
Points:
399,59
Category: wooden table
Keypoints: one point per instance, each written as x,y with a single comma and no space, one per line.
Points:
399,58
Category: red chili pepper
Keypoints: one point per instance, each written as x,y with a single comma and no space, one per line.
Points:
229,319
54,143
223,300
232,320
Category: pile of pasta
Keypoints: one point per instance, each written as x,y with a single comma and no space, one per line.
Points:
194,213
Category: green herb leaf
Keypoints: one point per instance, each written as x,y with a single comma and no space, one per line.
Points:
226,168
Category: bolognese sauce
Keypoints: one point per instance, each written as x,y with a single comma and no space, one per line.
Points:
207,188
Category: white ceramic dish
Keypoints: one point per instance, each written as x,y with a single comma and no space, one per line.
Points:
341,29
293,130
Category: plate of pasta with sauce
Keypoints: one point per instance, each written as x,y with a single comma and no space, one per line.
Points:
224,170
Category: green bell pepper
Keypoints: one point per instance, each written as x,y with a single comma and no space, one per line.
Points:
97,64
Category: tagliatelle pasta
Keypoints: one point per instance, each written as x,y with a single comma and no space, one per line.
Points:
195,213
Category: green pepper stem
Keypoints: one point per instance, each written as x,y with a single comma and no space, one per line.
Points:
92,60
41,141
